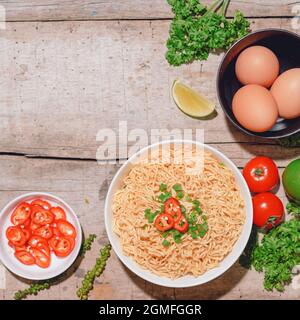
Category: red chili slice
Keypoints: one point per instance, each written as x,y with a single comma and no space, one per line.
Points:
44,232
59,213
44,247
25,257
173,208
164,222
27,233
16,236
22,248
41,216
61,246
42,203
41,259
182,225
66,228
33,226
35,240
21,214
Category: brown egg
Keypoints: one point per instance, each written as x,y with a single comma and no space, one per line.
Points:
255,108
257,65
286,91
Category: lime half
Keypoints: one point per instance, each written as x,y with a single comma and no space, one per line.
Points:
190,102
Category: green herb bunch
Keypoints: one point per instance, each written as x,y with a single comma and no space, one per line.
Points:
197,30
278,254
293,209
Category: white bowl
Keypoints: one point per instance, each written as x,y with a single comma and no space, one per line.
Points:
186,281
58,265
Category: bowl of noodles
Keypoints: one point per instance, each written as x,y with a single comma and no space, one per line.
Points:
178,213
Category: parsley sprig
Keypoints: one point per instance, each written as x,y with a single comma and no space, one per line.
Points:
197,30
277,254
293,209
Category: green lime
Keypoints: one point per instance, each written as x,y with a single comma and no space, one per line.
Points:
291,180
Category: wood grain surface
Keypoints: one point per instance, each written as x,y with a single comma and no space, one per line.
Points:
39,10
64,79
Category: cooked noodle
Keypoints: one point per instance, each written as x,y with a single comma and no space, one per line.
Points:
221,202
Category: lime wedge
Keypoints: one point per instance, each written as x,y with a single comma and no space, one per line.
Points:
190,102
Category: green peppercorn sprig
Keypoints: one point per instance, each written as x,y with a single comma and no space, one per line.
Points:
87,244
36,287
33,289
90,276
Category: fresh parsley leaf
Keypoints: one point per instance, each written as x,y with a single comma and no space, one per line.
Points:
177,187
196,204
293,209
163,187
166,243
177,236
150,216
278,254
192,218
163,197
166,233
180,195
197,30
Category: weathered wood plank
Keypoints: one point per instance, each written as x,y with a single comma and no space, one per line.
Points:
84,185
37,10
68,80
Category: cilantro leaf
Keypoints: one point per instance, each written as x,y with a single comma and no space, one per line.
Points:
150,216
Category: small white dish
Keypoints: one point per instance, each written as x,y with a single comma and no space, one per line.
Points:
186,281
58,265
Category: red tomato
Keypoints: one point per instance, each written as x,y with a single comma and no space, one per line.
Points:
173,208
61,246
41,216
44,247
261,174
25,257
21,214
59,213
66,228
42,203
35,240
182,225
44,232
16,236
164,222
40,258
268,210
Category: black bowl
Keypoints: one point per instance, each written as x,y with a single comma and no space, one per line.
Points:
286,46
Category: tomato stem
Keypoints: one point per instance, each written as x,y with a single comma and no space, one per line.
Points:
258,172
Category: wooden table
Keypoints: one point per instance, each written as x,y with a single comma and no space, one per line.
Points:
71,68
